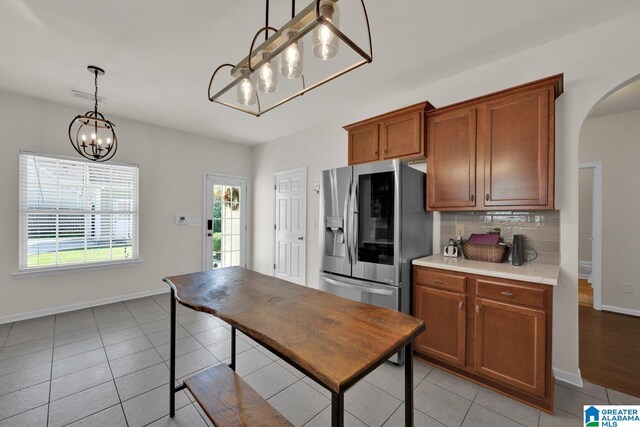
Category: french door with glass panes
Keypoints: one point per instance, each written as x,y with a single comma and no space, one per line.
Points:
225,224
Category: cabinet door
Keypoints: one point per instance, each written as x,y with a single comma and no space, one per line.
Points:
517,148
451,160
444,316
402,136
510,345
363,144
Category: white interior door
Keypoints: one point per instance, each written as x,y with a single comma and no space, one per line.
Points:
225,225
290,225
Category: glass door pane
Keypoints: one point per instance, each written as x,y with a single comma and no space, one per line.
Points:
227,228
375,218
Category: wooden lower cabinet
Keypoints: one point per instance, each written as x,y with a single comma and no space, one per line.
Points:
445,313
510,345
492,331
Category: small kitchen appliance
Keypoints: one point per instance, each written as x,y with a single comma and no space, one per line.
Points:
517,251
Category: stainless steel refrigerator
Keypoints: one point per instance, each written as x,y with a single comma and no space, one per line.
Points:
373,224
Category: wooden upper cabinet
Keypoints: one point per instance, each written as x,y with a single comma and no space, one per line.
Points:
444,315
451,167
517,160
363,144
402,136
395,135
510,345
513,165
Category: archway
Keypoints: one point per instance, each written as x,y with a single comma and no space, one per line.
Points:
609,324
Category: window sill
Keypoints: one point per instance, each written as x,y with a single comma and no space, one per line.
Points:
47,271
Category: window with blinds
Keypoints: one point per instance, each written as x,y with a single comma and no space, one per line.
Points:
75,212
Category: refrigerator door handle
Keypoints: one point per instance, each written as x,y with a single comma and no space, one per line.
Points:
360,288
347,227
354,223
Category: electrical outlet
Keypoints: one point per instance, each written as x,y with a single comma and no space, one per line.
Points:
626,288
460,230
180,268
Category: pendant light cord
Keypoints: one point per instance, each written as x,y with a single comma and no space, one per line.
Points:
266,22
293,9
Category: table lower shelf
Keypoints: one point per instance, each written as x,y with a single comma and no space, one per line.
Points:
229,401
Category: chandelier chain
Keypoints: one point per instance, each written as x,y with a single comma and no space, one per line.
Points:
95,96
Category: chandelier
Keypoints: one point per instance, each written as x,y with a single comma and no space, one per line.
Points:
253,84
91,135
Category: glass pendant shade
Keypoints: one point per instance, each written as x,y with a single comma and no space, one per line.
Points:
291,59
246,89
325,42
267,73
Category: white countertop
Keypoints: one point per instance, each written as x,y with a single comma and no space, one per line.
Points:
529,272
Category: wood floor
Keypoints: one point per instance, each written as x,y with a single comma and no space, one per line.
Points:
610,349
585,293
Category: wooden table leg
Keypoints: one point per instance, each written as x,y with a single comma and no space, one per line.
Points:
337,409
408,385
232,365
172,363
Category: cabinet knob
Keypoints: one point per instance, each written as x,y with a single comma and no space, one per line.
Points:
477,309
460,305
472,197
507,293
438,282
487,197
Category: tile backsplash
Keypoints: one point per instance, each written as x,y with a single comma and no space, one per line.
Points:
541,229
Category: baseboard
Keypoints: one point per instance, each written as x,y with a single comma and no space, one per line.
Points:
583,276
71,307
621,310
572,378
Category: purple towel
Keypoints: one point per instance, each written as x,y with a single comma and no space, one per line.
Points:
485,239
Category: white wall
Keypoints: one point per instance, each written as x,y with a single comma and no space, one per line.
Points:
594,61
171,180
585,211
319,148
615,141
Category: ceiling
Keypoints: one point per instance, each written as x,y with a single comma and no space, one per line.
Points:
627,98
159,55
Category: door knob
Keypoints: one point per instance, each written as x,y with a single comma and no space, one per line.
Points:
209,234
300,238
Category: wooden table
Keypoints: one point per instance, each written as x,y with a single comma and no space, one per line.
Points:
332,340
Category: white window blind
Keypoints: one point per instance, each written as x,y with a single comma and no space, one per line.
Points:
76,212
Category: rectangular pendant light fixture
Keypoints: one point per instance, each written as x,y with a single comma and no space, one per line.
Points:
308,51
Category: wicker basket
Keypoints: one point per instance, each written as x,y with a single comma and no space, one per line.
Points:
485,252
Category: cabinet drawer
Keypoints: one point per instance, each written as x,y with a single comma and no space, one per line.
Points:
451,282
531,297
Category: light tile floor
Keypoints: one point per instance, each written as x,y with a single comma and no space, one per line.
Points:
108,366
